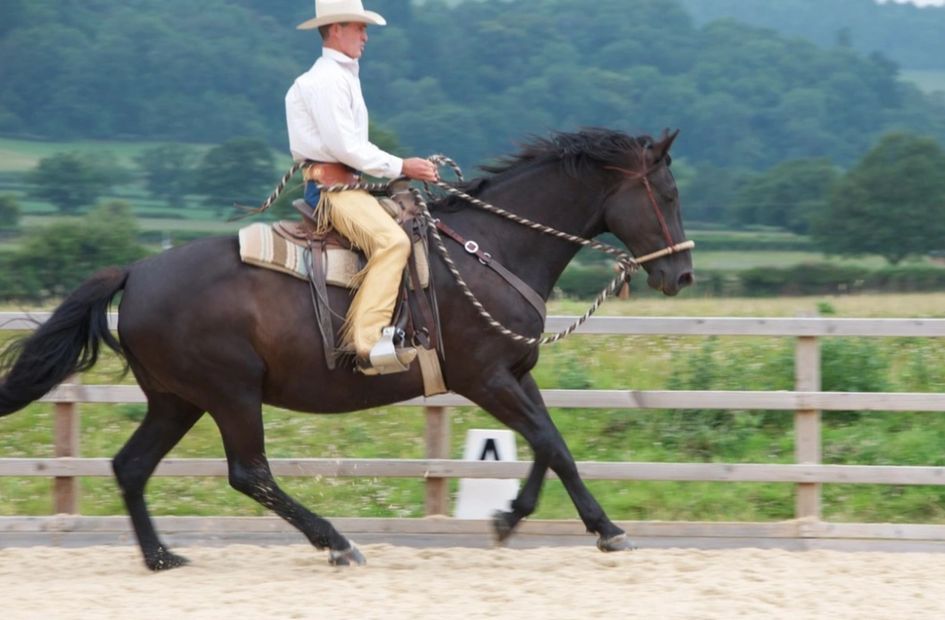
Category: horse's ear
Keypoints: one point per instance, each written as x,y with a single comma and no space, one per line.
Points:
661,148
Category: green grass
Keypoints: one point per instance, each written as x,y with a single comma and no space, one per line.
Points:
581,362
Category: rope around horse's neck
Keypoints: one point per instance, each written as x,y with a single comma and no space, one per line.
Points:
626,263
622,277
442,160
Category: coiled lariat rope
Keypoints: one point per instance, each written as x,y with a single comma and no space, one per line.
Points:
268,202
626,263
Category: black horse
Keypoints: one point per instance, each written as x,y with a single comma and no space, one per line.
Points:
203,332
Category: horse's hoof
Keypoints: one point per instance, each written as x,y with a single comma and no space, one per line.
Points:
502,526
347,557
620,542
164,560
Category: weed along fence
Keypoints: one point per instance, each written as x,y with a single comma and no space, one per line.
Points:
807,473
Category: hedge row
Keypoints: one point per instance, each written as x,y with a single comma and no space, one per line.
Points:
727,241
717,241
585,281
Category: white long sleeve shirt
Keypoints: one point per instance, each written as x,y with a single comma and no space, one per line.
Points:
328,119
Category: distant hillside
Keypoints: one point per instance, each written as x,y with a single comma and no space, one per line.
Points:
470,80
912,36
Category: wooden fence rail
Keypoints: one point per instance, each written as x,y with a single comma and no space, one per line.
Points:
806,401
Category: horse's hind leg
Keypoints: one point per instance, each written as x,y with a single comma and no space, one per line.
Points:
243,440
168,419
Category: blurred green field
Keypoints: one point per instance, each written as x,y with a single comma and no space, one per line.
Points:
717,250
23,155
20,156
738,261
581,362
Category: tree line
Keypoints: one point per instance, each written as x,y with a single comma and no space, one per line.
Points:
468,79
864,25
777,132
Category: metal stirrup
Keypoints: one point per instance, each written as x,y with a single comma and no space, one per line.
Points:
383,355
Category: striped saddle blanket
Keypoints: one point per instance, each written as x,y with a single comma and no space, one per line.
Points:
262,246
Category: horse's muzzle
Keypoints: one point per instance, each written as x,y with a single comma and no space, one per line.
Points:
667,283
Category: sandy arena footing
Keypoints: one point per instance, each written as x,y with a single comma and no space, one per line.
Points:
566,583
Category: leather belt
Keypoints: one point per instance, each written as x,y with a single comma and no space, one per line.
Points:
486,259
330,173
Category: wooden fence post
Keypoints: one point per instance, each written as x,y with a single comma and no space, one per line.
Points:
66,437
438,447
807,438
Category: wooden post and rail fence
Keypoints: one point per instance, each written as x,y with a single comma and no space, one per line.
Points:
807,474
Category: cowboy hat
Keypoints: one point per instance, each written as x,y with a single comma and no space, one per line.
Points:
338,11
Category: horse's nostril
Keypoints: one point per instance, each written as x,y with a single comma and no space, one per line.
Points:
685,279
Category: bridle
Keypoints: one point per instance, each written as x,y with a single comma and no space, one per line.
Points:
644,177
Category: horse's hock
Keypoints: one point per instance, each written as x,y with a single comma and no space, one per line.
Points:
807,530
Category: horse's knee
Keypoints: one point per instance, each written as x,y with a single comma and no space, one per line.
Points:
549,446
563,464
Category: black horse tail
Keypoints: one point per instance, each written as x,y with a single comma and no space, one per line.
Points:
67,343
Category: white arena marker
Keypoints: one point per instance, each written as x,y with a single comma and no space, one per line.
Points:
480,497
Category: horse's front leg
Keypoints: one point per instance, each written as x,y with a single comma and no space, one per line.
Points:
519,405
505,522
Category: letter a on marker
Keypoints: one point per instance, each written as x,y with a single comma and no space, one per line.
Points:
490,447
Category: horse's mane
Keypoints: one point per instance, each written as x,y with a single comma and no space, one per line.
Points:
575,151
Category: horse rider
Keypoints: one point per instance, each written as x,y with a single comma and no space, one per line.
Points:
328,125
